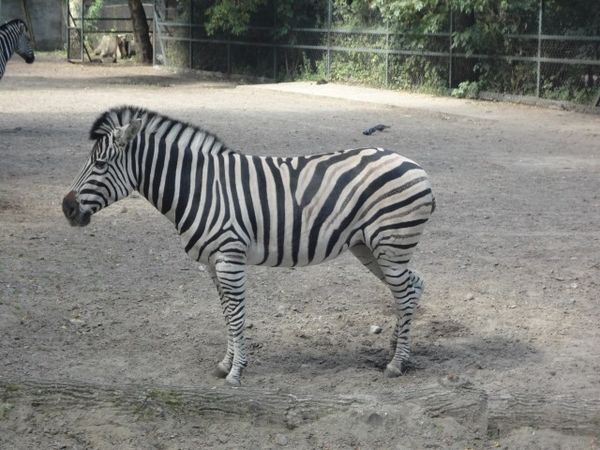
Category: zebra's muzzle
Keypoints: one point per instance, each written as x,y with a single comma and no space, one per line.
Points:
72,211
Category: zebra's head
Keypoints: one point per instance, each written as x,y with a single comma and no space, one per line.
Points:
108,175
24,48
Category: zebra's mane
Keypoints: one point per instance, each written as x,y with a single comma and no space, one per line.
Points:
108,121
13,22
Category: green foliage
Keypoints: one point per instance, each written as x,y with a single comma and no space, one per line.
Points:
176,54
358,13
418,72
93,12
299,65
5,409
466,89
231,16
569,90
95,9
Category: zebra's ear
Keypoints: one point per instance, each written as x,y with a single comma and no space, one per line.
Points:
124,134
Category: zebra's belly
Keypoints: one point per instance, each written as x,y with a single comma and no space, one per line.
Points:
303,248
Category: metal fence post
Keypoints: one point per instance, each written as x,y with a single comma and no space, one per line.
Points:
450,42
539,50
228,58
82,28
190,36
274,42
154,33
387,57
329,13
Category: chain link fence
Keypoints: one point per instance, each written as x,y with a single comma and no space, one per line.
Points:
87,27
539,58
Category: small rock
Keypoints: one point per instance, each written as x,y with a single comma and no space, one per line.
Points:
374,419
77,322
123,210
453,377
281,439
281,310
375,329
249,325
470,296
512,306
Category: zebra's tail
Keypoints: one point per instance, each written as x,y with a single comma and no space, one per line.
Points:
432,204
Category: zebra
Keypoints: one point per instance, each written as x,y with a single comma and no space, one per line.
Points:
233,210
14,37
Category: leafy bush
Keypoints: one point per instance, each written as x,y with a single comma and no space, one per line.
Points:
466,89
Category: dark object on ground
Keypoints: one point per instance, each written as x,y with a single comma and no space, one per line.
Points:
321,81
370,131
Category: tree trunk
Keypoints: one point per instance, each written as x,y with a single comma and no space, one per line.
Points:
463,68
494,414
141,30
464,404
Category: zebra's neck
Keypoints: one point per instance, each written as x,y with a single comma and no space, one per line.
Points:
8,42
177,169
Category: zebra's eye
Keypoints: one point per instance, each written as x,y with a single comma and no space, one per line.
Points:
100,164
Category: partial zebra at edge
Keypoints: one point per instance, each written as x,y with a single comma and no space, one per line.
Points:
14,38
233,210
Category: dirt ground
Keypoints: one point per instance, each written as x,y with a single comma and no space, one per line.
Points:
511,261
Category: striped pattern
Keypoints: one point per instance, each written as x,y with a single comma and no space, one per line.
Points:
233,209
14,37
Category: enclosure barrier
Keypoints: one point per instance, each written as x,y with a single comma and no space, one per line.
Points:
554,66
85,29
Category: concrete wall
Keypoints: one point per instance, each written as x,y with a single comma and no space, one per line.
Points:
47,20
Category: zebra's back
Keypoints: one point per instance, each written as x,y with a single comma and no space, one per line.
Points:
305,210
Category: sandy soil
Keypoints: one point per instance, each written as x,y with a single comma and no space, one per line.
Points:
511,260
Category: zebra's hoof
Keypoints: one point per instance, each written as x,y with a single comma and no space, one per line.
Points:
231,381
220,371
393,371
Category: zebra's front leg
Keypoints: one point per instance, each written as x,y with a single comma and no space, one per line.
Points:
230,279
224,366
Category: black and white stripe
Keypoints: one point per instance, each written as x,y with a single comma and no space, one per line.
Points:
233,209
14,37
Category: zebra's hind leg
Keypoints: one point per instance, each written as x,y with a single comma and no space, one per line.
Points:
406,287
365,256
230,279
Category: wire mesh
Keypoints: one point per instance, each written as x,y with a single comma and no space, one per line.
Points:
546,52
87,27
